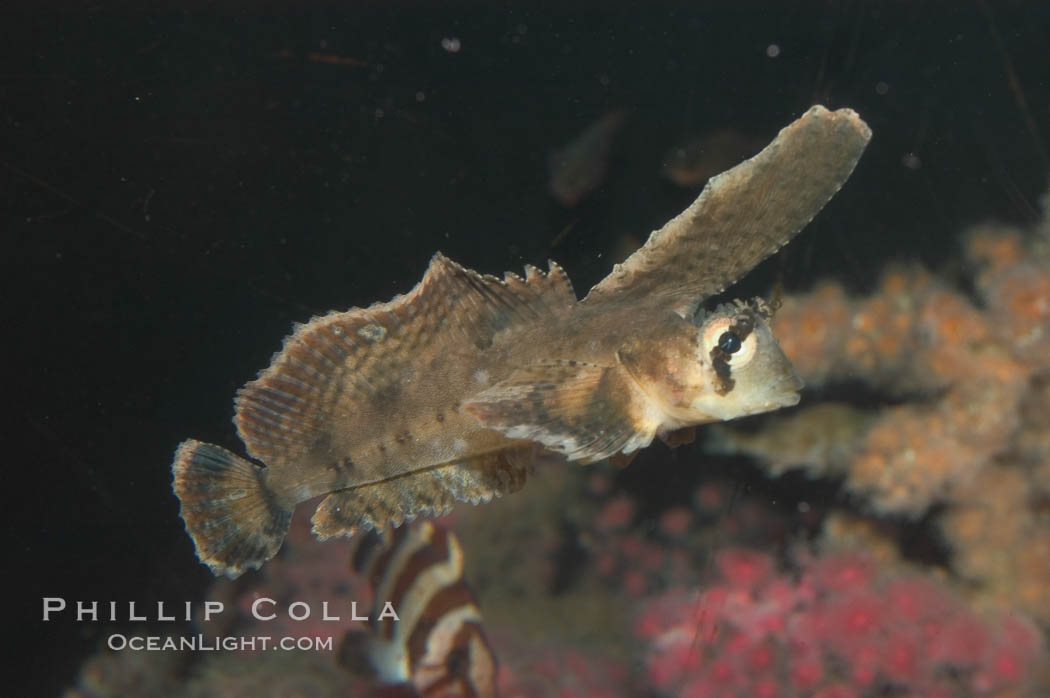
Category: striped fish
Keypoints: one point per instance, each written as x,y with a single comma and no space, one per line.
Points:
436,643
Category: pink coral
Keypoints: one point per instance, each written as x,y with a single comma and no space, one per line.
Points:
837,627
617,513
676,521
637,560
744,568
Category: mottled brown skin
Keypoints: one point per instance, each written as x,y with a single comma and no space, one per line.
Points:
420,417
445,394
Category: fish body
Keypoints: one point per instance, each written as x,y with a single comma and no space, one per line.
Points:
436,644
447,393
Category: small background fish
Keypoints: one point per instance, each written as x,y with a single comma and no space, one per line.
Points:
437,645
693,162
578,168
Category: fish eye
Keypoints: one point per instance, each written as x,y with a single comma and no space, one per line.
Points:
729,342
724,338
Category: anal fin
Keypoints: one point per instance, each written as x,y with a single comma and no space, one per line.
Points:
584,411
430,492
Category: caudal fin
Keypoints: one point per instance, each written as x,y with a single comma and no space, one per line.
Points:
234,519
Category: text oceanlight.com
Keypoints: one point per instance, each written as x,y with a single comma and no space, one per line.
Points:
200,643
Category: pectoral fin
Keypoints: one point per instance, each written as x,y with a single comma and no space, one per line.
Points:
584,411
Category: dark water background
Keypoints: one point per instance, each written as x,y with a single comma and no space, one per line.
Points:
179,184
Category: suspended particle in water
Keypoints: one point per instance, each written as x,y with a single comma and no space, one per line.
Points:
772,50
450,44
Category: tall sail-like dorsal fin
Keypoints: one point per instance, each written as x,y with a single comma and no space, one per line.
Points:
742,216
283,413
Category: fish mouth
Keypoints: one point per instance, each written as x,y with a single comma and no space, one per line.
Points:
784,393
788,391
